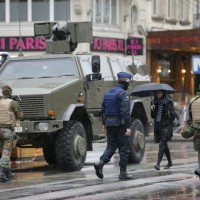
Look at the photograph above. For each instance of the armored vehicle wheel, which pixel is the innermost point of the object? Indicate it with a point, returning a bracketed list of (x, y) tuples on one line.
[(71, 146), (137, 142), (49, 152)]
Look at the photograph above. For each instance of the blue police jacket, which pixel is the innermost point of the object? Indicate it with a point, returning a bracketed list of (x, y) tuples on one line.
[(116, 107)]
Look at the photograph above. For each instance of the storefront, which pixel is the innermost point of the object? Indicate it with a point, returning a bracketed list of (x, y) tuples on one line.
[(170, 55)]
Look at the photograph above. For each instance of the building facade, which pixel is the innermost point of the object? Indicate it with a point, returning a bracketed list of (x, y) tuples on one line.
[(119, 27), (171, 43)]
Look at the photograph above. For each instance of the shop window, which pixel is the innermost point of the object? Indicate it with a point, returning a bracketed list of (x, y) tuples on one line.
[(184, 11), (40, 10), (18, 10), (2, 10), (105, 12), (62, 10)]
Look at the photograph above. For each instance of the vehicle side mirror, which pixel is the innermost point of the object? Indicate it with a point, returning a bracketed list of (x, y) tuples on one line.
[(95, 64)]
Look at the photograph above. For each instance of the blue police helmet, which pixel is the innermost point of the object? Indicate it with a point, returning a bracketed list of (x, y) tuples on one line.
[(124, 76)]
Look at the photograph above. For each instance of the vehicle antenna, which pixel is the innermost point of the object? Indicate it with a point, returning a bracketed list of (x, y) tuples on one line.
[(20, 35)]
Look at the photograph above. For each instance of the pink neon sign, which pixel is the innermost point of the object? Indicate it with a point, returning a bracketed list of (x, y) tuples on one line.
[(132, 45), (25, 43), (108, 45)]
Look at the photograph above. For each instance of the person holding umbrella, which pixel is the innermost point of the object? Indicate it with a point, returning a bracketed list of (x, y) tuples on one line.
[(163, 113)]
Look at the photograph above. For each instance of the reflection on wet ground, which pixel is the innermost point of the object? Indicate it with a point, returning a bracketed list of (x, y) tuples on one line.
[(37, 180)]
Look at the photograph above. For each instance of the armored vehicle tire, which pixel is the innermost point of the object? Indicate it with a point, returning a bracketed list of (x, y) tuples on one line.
[(71, 146), (49, 152), (137, 142)]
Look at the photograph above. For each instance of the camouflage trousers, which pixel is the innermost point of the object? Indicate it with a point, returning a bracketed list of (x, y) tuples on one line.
[(8, 141)]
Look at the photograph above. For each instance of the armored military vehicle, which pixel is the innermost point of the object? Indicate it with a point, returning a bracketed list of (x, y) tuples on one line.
[(61, 94)]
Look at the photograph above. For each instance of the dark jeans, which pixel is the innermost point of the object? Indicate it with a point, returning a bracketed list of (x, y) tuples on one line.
[(116, 139)]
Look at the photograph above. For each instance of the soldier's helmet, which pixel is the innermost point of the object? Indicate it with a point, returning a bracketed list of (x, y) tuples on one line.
[(187, 132), (6, 90)]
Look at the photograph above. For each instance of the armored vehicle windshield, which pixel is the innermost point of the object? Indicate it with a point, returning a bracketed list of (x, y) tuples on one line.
[(39, 68)]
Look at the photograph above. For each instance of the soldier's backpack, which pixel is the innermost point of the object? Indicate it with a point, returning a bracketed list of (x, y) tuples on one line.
[(194, 113), (6, 117)]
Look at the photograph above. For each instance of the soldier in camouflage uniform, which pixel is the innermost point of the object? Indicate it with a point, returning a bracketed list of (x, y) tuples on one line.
[(10, 114), (192, 128)]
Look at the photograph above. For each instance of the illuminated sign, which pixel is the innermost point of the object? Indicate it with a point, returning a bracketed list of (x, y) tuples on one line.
[(115, 45), (173, 39), (134, 46), (196, 64), (25, 43), (108, 45)]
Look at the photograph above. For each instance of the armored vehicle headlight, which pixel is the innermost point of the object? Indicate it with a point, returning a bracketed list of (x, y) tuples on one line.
[(43, 126), (80, 98)]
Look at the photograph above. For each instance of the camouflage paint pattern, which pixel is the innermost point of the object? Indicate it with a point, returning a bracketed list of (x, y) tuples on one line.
[(7, 143)]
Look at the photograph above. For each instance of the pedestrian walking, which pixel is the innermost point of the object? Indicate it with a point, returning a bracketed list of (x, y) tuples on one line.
[(163, 113), (10, 114), (116, 123)]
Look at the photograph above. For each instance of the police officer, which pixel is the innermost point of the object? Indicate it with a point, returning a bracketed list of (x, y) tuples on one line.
[(10, 114), (116, 122)]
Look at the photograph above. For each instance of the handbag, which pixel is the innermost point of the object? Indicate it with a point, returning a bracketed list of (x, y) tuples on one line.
[(167, 133)]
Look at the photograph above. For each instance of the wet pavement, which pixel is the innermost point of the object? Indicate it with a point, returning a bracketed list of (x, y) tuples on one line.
[(37, 180)]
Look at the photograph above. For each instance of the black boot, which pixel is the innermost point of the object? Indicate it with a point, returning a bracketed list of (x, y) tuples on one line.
[(3, 177), (99, 168), (197, 172), (160, 155), (123, 176), (9, 174), (168, 165), (157, 167), (167, 153)]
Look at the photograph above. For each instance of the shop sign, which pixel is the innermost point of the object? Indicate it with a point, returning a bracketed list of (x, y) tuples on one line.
[(25, 43), (173, 39), (133, 46), (196, 64), (114, 45)]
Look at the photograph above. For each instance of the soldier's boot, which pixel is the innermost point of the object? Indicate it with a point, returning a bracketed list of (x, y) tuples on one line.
[(3, 177), (123, 176), (99, 168), (197, 172), (9, 174)]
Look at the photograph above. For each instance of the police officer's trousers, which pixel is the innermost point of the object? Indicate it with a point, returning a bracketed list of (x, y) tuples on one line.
[(116, 139)]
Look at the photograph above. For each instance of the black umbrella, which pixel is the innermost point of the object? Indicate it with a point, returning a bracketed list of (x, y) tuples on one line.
[(148, 89)]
